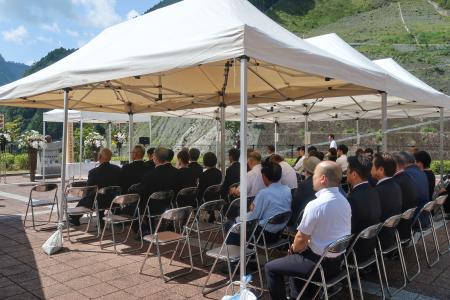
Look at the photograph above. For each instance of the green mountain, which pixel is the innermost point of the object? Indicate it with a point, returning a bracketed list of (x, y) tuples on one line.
[(10, 71)]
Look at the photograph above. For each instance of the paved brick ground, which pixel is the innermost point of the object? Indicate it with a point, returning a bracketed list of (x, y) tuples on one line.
[(84, 271)]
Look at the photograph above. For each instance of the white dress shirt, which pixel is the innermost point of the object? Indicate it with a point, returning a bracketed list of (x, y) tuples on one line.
[(342, 162), (255, 182), (333, 144), (288, 175), (326, 219), (299, 165)]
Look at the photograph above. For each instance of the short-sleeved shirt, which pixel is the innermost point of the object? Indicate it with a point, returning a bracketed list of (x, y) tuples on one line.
[(326, 219), (299, 164), (333, 144), (288, 175), (255, 182), (273, 200), (342, 162)]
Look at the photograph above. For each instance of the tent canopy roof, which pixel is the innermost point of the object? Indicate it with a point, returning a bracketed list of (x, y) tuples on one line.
[(75, 116)]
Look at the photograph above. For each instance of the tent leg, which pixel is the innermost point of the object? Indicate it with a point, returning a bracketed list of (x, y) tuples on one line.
[(384, 123), (222, 137), (43, 154), (150, 131), (243, 173), (64, 157), (358, 138), (275, 138), (441, 141), (109, 135), (306, 134), (217, 134), (130, 136), (81, 145)]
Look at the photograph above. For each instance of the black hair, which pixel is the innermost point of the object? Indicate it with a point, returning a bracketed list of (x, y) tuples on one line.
[(301, 148), (271, 148), (423, 157), (361, 164), (209, 159), (150, 151), (311, 148), (271, 170), (331, 136), (183, 156), (343, 148), (385, 160), (234, 153), (369, 151), (317, 154), (171, 155), (194, 154)]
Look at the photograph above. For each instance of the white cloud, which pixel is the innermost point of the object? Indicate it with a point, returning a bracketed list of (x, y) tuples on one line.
[(132, 14), (44, 39), (15, 35), (54, 27), (30, 62), (99, 13), (72, 33)]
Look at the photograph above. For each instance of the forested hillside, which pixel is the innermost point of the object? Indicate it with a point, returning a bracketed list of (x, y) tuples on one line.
[(10, 71)]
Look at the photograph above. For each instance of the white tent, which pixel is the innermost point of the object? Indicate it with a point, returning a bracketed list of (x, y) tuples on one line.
[(186, 56)]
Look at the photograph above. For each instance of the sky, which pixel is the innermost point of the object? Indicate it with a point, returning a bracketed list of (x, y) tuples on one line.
[(29, 29)]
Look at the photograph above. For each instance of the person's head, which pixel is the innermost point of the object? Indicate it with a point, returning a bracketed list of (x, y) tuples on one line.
[(413, 149), (104, 155), (359, 151), (171, 155), (310, 164), (311, 149), (399, 161), (327, 174), (233, 155), (423, 159), (331, 137), (150, 152), (161, 156), (358, 170), (383, 165), (138, 152), (194, 154), (301, 151), (209, 160), (342, 150), (253, 159), (276, 158), (407, 157), (369, 151), (183, 158), (317, 154), (271, 149), (271, 172), (332, 154)]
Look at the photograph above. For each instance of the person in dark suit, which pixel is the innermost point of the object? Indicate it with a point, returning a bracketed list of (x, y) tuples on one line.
[(106, 174), (211, 176), (365, 203), (194, 155), (186, 175), (305, 191), (150, 164), (133, 172), (389, 192), (233, 172), (423, 161)]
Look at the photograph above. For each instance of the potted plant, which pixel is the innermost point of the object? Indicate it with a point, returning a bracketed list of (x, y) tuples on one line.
[(33, 141), (119, 139), (94, 141)]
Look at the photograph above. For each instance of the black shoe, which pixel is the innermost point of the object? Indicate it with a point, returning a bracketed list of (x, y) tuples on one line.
[(74, 222)]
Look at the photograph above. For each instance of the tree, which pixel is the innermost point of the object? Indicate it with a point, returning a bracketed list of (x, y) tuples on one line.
[(14, 128)]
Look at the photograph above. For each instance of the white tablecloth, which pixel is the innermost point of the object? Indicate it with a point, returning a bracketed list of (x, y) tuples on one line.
[(77, 170)]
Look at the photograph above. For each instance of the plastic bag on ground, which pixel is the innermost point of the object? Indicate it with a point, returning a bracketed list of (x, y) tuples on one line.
[(54, 242), (245, 294)]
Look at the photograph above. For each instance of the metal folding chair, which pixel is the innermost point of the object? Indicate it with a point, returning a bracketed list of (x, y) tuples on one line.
[(338, 247), (112, 219), (76, 183), (261, 242), (439, 209), (187, 197), (200, 227), (33, 202), (157, 204), (370, 233), (427, 211), (109, 192), (212, 193), (80, 193), (179, 216), (391, 224), (408, 216), (231, 255)]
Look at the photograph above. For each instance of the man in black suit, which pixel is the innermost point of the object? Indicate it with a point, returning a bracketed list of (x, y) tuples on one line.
[(133, 172), (194, 155), (150, 164), (410, 195), (364, 201), (233, 172), (211, 176), (104, 175), (389, 192)]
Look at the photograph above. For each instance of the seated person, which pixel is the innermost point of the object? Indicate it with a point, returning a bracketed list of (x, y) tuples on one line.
[(305, 192), (369, 153), (365, 204), (133, 172), (389, 193), (171, 155), (150, 164), (331, 154), (270, 150), (211, 176), (342, 151), (423, 161), (273, 200), (326, 219), (289, 176), (194, 155), (186, 175), (232, 173), (298, 164), (255, 181), (106, 174)]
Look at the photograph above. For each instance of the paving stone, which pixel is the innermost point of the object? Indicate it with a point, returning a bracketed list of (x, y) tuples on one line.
[(98, 290), (24, 296), (11, 290), (82, 282)]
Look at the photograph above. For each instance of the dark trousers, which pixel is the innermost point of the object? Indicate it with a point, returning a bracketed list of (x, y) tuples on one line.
[(299, 265), (89, 203)]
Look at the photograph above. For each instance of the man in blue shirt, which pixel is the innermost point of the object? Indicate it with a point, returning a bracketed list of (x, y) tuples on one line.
[(418, 177)]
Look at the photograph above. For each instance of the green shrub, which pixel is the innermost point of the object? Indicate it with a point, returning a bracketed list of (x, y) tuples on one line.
[(436, 166), (7, 159), (21, 162)]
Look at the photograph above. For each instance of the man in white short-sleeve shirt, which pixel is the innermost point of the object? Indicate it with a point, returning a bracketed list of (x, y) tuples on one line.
[(333, 143), (325, 219), (289, 176)]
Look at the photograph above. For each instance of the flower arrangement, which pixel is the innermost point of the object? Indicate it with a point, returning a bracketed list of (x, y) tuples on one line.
[(94, 141), (31, 139), (119, 139), (5, 139)]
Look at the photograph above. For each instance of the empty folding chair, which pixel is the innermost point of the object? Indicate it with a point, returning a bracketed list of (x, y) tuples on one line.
[(230, 254), (74, 198), (105, 196), (52, 199), (157, 204), (187, 197), (366, 236), (338, 247), (199, 226), (80, 193), (427, 212), (163, 237), (391, 225), (408, 217), (212, 193), (261, 242), (439, 210), (114, 217)]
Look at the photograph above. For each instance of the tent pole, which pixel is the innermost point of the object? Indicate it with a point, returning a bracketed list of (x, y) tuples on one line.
[(384, 123), (64, 157), (275, 138), (81, 144), (217, 119), (109, 135), (358, 138), (130, 135), (441, 141), (306, 134), (222, 136), (43, 153), (150, 131), (243, 173)]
